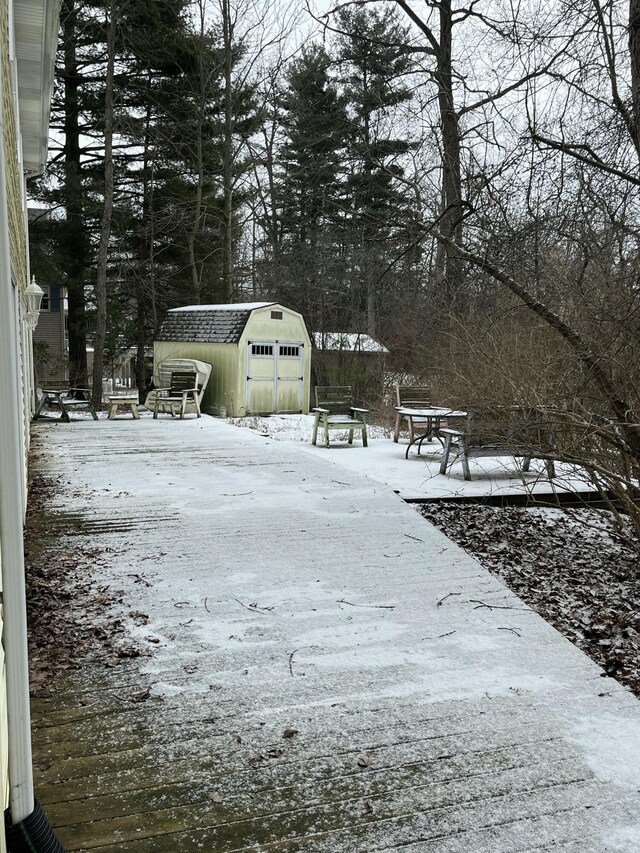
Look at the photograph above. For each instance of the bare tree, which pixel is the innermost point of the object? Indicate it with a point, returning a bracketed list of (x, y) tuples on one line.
[(585, 287)]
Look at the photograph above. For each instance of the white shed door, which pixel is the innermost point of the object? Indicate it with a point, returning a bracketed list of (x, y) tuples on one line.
[(274, 376)]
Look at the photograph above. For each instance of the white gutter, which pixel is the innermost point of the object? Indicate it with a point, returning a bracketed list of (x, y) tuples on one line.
[(11, 529)]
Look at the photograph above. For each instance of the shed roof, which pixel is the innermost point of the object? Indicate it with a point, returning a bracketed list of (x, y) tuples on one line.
[(350, 341), (208, 324)]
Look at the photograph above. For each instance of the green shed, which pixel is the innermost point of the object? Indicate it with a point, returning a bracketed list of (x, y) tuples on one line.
[(260, 353)]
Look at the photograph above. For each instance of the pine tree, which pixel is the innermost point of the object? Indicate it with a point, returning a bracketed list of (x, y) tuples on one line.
[(312, 159), (375, 65)]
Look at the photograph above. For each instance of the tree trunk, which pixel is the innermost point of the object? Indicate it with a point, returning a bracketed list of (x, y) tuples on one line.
[(451, 222), (105, 226), (74, 235), (449, 265), (227, 164), (148, 215), (196, 271), (634, 56), (141, 340)]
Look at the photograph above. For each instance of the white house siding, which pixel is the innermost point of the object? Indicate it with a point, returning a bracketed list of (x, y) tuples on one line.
[(8, 225), (28, 31), (4, 744)]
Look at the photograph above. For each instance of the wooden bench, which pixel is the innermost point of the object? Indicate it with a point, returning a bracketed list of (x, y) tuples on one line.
[(500, 431), (411, 397), (334, 410), (126, 402), (60, 396), (182, 393)]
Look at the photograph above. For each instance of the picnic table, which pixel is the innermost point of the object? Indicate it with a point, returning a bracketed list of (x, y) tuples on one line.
[(518, 431), (425, 423), (64, 399)]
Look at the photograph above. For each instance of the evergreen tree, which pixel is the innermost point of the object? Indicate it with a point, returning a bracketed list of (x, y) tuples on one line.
[(372, 53), (169, 134), (312, 159)]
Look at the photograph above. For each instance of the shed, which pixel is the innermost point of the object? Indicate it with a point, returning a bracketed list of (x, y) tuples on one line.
[(260, 353), (351, 358)]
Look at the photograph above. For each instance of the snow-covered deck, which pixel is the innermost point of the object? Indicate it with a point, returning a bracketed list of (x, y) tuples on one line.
[(327, 673)]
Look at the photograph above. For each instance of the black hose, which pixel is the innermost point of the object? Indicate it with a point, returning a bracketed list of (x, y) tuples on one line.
[(33, 834)]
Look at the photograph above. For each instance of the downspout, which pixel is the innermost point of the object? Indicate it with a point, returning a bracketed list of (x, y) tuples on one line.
[(11, 528)]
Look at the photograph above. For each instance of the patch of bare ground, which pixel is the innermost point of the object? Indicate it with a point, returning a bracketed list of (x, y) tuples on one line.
[(571, 566)]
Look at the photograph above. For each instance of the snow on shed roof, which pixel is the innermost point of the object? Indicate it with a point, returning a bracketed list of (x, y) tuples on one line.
[(240, 306), (351, 341), (208, 324)]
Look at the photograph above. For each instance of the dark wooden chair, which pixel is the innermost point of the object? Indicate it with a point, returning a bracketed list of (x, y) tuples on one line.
[(411, 397), (500, 431), (181, 396), (335, 410)]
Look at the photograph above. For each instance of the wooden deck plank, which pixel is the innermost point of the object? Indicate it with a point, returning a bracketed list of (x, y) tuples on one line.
[(317, 770), (416, 782), (350, 826), (224, 754)]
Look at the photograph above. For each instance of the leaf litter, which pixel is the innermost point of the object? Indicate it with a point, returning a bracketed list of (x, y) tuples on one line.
[(71, 618)]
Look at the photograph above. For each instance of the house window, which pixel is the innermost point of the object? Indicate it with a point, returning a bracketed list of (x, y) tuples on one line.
[(261, 349), (51, 298), (276, 315), (289, 352)]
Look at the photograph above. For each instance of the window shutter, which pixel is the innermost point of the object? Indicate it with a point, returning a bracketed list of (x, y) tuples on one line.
[(54, 298)]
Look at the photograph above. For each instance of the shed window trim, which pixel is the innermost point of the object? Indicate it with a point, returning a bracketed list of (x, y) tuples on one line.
[(265, 350), (276, 315)]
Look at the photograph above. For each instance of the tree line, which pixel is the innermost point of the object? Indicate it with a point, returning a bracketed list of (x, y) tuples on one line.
[(458, 178)]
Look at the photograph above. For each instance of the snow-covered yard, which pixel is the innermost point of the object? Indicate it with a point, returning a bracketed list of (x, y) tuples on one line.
[(418, 476)]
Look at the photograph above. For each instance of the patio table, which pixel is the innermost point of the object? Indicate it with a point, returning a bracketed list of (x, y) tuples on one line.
[(432, 417)]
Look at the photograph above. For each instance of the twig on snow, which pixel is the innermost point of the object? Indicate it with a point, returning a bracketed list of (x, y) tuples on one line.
[(291, 660), (254, 607), (480, 604), (515, 631), (409, 536), (439, 604), (376, 606), (140, 579)]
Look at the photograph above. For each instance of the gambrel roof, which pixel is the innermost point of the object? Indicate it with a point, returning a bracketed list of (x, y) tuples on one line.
[(208, 324)]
